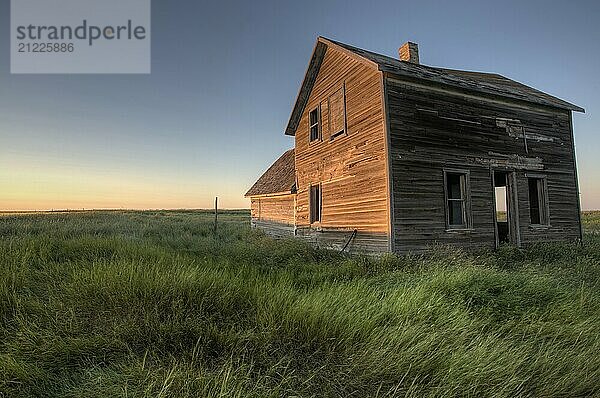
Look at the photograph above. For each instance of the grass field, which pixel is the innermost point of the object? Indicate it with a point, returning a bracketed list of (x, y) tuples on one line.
[(152, 304)]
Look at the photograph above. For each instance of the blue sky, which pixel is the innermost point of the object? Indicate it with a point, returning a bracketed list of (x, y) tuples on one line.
[(210, 118)]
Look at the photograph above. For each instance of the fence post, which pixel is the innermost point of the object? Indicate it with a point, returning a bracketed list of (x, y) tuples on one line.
[(216, 213)]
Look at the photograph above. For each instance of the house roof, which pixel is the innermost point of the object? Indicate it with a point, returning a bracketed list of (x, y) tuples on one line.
[(489, 84), (280, 178)]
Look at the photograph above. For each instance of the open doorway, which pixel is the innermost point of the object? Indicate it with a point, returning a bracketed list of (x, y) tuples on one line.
[(505, 215), (501, 192)]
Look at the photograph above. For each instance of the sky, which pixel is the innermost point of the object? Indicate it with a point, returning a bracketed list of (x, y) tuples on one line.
[(210, 117)]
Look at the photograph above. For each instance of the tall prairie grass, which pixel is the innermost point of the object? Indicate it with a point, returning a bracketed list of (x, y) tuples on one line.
[(153, 304)]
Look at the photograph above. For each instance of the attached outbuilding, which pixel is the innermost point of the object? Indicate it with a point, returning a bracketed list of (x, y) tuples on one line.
[(273, 198)]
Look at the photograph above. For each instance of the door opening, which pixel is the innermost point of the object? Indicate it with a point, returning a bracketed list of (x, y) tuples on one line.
[(506, 214), (502, 206)]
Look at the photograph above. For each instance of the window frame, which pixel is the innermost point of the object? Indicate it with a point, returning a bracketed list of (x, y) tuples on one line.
[(344, 132), (465, 188), (317, 124), (315, 218), (543, 202)]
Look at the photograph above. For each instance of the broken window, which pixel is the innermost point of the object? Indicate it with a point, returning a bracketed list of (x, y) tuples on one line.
[(456, 191), (337, 113), (538, 204), (315, 203), (314, 122)]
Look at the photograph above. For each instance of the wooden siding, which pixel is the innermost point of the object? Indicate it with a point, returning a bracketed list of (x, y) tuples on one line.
[(336, 239), (275, 229), (274, 215), (276, 208), (351, 167), (432, 129)]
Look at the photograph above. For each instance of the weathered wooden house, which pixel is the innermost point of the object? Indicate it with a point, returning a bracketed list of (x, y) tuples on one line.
[(393, 155)]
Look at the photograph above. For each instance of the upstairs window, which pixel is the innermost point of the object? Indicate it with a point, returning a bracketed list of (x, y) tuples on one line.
[(337, 113), (315, 203), (538, 202), (457, 204), (315, 125)]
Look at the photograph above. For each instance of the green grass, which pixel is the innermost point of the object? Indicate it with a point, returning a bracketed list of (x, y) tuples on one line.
[(591, 222), (152, 304)]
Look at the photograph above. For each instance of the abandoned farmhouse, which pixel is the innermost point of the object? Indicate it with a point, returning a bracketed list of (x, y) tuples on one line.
[(394, 156)]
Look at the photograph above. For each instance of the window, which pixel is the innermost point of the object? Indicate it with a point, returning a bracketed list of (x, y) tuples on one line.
[(315, 125), (538, 204), (457, 204), (337, 113), (315, 203)]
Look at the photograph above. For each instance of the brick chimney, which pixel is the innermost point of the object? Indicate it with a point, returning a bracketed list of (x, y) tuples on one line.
[(409, 52)]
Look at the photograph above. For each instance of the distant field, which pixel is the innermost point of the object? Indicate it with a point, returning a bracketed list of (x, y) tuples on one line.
[(153, 304), (591, 222)]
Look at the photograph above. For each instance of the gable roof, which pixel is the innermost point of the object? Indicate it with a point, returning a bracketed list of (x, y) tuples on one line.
[(280, 178), (490, 84)]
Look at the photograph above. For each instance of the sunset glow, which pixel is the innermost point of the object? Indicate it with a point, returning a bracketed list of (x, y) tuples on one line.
[(210, 118)]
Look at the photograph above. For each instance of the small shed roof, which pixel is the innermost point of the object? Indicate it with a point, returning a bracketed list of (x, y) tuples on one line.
[(280, 178)]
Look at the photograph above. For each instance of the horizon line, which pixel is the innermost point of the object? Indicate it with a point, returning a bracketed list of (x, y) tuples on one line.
[(81, 210)]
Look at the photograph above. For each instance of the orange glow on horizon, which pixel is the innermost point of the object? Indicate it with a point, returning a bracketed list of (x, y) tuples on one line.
[(42, 190), (44, 187)]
